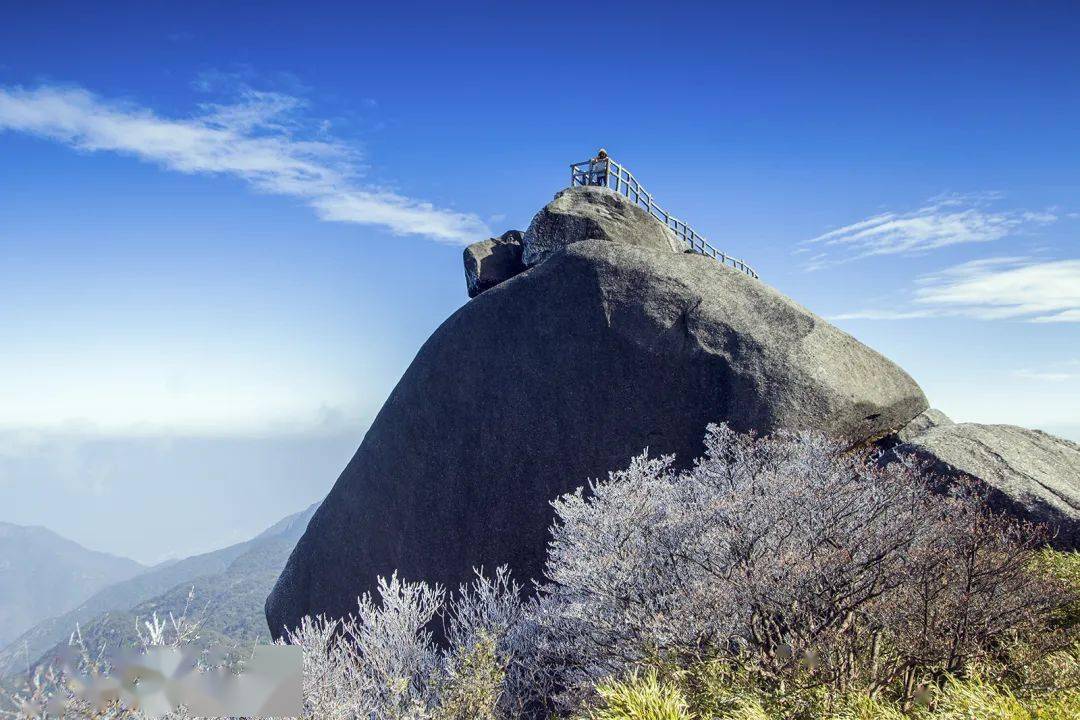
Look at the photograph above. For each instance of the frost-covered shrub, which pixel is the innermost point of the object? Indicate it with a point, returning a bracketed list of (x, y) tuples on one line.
[(810, 563), (379, 663), (481, 622), (384, 664)]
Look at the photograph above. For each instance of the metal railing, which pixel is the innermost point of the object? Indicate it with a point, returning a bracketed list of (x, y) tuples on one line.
[(605, 172)]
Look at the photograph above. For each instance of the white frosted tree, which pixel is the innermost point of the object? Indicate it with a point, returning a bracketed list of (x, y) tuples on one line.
[(788, 553)]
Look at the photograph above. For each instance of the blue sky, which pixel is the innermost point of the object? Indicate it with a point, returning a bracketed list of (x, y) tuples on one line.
[(225, 229)]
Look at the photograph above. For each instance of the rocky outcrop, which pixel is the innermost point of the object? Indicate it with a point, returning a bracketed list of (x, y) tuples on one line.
[(490, 262), (561, 375), (922, 422), (593, 213), (1028, 473)]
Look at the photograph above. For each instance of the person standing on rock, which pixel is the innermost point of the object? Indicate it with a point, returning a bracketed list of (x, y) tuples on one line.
[(598, 168)]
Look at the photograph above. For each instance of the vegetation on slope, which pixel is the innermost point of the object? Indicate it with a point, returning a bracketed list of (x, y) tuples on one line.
[(777, 578), (230, 587)]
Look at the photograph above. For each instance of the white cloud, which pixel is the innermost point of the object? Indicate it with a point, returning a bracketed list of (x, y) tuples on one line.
[(944, 221), (262, 138), (883, 315), (993, 289), (1056, 372), (1045, 375)]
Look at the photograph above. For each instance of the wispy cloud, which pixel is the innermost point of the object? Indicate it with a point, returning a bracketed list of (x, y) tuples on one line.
[(263, 138), (993, 289), (946, 220), (1055, 372), (1045, 375)]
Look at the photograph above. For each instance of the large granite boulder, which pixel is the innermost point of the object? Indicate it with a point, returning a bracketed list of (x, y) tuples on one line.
[(561, 374), (593, 213), (490, 262), (1028, 473)]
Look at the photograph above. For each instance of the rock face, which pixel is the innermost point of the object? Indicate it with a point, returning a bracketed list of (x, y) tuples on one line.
[(490, 262), (593, 213), (921, 423), (1029, 473), (561, 374)]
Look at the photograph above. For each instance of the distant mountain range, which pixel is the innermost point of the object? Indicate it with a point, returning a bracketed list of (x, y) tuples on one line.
[(33, 559), (230, 586)]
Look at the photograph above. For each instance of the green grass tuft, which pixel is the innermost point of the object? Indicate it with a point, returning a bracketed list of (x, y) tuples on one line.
[(1064, 567), (640, 697)]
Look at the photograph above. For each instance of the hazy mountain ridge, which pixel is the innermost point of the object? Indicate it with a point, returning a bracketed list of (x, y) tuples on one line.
[(33, 557), (230, 587)]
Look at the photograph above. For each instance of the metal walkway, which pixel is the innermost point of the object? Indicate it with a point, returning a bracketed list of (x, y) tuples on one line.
[(605, 172)]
